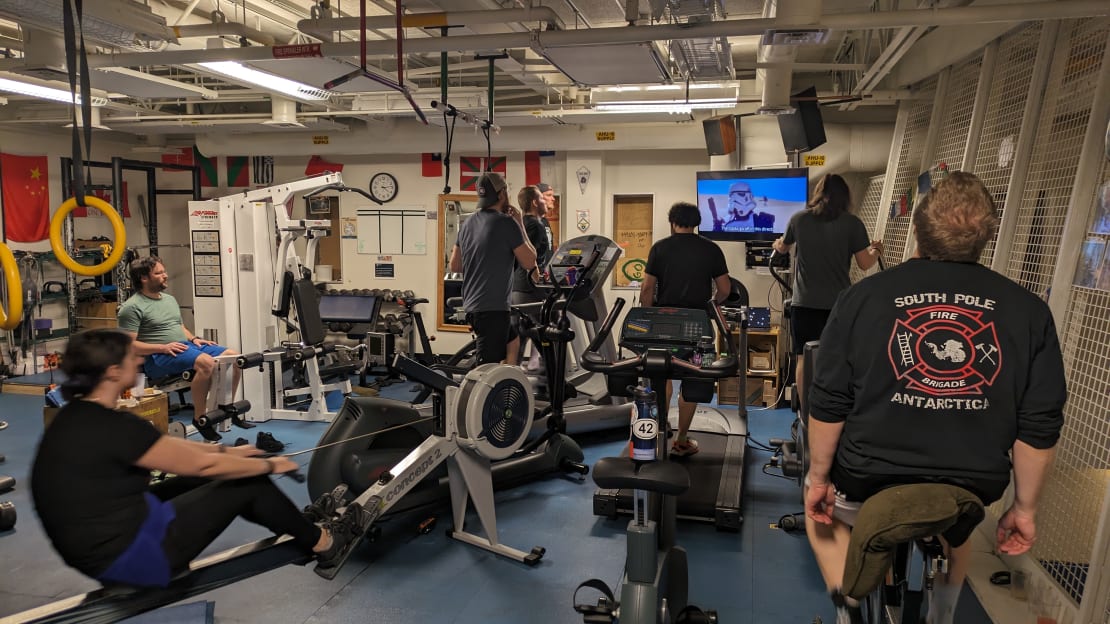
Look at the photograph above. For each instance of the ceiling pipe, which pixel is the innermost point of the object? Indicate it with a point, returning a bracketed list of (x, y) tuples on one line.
[(775, 63), (323, 28), (230, 29), (1058, 9)]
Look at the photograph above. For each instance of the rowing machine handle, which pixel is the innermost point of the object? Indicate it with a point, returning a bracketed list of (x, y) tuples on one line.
[(607, 326)]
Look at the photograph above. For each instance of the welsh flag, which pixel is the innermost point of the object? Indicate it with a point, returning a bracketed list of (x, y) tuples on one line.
[(238, 171), (25, 197), (470, 169), (209, 171)]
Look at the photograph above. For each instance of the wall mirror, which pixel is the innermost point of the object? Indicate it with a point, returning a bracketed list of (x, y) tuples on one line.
[(453, 212)]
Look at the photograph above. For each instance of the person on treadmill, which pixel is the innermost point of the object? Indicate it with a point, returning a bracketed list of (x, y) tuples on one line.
[(534, 206), (90, 480), (488, 243), (938, 370), (682, 271)]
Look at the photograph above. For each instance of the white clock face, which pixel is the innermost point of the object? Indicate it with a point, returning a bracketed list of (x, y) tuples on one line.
[(383, 186)]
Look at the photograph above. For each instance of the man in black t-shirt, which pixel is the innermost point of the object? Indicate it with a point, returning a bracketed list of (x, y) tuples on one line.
[(934, 371), (682, 271)]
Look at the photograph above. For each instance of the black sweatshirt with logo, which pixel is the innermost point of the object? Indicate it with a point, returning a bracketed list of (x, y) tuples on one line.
[(935, 369)]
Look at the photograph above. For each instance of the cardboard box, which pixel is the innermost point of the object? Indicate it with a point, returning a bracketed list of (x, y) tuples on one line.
[(155, 409), (770, 393), (728, 391), (753, 391), (763, 361), (95, 315)]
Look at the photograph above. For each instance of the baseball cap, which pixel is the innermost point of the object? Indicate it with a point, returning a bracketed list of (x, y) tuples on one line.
[(489, 186), (543, 187)]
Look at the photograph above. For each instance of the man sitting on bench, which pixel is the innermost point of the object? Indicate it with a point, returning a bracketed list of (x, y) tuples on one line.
[(153, 318), (933, 372)]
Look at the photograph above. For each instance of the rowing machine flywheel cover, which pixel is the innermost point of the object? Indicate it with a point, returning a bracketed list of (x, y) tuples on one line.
[(494, 410)]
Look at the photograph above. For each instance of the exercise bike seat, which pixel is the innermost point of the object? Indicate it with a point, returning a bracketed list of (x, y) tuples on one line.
[(902, 514), (662, 477)]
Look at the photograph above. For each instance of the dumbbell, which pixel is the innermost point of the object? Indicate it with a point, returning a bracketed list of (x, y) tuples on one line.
[(7, 516), (344, 291), (408, 294), (333, 326), (345, 327), (365, 292), (6, 483)]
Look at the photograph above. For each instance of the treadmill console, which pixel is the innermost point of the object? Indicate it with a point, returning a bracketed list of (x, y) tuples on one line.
[(677, 329), (577, 253)]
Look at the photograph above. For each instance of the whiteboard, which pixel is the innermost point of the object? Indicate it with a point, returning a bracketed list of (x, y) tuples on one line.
[(392, 231)]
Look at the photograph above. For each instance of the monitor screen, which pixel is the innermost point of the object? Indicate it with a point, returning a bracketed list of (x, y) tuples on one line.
[(753, 204)]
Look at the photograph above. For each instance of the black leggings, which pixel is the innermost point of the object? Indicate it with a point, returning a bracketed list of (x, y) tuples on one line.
[(205, 508)]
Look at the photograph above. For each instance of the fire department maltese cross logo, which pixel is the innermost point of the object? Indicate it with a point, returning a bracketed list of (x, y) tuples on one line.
[(944, 350)]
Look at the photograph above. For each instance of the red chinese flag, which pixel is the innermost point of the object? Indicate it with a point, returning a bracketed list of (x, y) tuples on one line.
[(532, 168), (25, 197), (317, 165), (431, 165), (470, 169)]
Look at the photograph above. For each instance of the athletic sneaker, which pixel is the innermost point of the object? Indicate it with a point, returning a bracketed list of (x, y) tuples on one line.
[(684, 448), (344, 532), (324, 508), (266, 442)]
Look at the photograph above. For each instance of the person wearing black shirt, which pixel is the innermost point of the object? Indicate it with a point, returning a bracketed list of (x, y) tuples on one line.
[(936, 371), (534, 206), (91, 473), (682, 271)]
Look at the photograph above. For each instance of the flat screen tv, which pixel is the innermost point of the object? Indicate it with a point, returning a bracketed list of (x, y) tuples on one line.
[(751, 204)]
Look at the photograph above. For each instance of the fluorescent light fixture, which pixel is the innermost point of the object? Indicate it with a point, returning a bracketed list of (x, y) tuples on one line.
[(46, 93), (151, 85), (609, 64), (284, 86)]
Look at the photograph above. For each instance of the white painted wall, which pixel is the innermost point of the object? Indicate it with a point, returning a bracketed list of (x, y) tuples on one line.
[(658, 160)]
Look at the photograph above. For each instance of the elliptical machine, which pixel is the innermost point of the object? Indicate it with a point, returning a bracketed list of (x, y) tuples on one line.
[(654, 587)]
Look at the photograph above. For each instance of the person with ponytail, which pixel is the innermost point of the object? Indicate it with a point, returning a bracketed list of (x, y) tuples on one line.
[(90, 480), (828, 237)]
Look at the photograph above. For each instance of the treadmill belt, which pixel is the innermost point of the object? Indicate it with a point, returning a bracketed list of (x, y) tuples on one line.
[(715, 480)]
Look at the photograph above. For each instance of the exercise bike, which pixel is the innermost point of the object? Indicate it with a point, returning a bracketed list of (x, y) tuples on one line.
[(654, 587)]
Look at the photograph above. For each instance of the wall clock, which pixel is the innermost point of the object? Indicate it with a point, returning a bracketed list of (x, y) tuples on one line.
[(383, 186)]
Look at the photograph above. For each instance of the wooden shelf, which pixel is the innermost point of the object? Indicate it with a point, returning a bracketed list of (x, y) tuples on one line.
[(756, 390)]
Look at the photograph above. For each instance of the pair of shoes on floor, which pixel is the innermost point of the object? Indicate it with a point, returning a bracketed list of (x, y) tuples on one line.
[(684, 448), (267, 443)]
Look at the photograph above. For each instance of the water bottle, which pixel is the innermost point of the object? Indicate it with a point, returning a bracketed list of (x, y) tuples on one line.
[(572, 275), (645, 425)]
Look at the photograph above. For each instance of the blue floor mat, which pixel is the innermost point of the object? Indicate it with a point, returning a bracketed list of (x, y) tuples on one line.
[(202, 612)]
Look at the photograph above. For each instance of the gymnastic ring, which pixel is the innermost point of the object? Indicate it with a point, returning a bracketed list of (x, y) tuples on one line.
[(13, 316), (118, 232)]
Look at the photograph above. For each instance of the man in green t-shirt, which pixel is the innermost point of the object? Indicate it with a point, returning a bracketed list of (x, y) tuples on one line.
[(153, 318)]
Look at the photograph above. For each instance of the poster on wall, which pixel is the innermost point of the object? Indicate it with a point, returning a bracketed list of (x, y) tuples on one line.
[(1091, 262), (401, 231), (349, 227), (632, 231)]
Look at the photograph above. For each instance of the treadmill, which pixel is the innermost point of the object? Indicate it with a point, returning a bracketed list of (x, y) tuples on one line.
[(591, 407), (717, 470)]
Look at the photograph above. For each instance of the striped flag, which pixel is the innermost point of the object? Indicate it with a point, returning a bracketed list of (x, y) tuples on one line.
[(263, 167)]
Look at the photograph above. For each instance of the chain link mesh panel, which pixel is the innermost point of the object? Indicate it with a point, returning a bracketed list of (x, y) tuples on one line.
[(909, 167), (1073, 501), (868, 212), (956, 121), (1002, 121), (1055, 158)]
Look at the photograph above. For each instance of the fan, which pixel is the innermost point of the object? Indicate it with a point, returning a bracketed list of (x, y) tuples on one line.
[(494, 410)]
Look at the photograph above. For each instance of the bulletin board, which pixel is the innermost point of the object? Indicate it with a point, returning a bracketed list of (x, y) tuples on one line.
[(399, 231), (633, 232)]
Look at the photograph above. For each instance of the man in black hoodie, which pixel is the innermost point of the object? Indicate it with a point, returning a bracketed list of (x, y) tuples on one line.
[(934, 371)]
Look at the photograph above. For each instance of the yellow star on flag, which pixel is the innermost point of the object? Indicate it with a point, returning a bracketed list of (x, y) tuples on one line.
[(35, 173)]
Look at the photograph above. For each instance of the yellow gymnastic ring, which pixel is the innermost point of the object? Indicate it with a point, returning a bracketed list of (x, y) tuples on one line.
[(118, 233), (10, 318)]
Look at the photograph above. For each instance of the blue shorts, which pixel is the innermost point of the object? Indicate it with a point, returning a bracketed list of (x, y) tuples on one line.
[(160, 365)]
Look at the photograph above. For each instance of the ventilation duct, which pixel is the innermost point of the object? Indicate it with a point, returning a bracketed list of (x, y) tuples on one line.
[(120, 23), (284, 114), (705, 58)]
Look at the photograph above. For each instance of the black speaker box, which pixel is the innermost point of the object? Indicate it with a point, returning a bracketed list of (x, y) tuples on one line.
[(803, 130), (720, 135)]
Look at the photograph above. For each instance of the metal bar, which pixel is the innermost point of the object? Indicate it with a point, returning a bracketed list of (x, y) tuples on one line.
[(1015, 190), (979, 112), (152, 211)]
